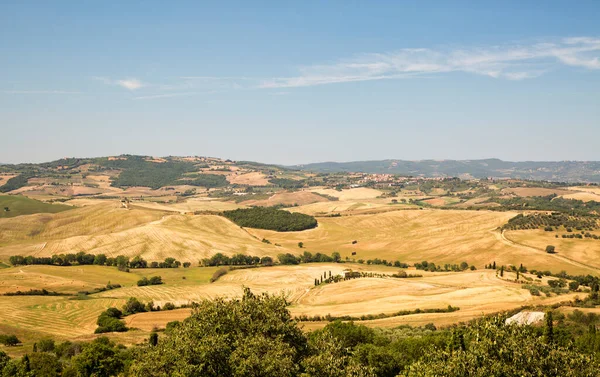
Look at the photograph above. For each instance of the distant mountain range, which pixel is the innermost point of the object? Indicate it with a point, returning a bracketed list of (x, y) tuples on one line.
[(559, 171)]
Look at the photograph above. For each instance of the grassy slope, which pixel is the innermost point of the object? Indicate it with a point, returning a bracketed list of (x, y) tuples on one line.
[(20, 205)]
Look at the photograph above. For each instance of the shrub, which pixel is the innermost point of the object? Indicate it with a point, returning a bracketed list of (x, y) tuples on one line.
[(550, 249), (132, 306), (110, 321), (9, 340), (218, 273)]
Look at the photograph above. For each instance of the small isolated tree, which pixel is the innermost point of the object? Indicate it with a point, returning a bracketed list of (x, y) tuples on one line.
[(301, 244), (550, 249), (45, 345), (153, 340), (494, 265), (6, 209), (549, 329), (573, 286), (502, 271), (9, 340)]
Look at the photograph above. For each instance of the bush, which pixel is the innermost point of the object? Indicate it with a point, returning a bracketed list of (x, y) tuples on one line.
[(550, 249), (271, 219), (110, 321), (218, 273), (132, 306), (9, 340), (154, 280), (45, 345)]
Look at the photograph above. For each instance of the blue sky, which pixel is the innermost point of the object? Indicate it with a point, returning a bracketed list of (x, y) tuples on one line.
[(298, 82)]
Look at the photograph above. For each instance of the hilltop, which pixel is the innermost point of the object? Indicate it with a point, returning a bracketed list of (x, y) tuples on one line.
[(557, 171)]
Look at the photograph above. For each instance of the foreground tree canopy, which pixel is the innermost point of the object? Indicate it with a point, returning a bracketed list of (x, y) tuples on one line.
[(271, 219), (256, 336)]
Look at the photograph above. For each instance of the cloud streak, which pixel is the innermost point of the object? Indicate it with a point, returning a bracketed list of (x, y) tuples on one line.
[(39, 92), (511, 62), (128, 83)]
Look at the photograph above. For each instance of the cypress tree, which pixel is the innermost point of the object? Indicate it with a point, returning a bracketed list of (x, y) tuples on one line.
[(153, 340), (494, 265), (502, 271), (549, 330)]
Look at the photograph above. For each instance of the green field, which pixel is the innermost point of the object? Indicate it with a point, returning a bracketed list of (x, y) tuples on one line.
[(19, 205)]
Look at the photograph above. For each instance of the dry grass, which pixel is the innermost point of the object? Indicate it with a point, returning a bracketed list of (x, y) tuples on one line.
[(586, 250), (253, 179), (191, 205), (351, 194), (534, 191), (583, 196), (288, 198), (154, 235), (62, 279), (5, 177)]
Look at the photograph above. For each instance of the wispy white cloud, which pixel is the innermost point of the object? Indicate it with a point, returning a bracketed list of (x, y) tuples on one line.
[(131, 84), (39, 92), (512, 62), (166, 95), (128, 83)]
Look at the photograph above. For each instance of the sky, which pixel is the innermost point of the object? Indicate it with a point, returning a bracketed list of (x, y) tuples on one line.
[(298, 82)]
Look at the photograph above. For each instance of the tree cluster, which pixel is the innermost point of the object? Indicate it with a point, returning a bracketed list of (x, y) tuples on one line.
[(271, 219), (221, 259), (122, 262)]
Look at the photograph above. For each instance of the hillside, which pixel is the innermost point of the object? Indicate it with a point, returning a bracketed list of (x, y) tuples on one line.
[(559, 171)]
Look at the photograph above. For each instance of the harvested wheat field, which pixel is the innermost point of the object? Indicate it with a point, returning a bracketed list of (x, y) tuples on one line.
[(351, 194), (583, 196), (288, 198), (349, 207), (585, 251), (105, 229), (5, 177), (190, 205), (534, 191), (415, 235), (253, 179)]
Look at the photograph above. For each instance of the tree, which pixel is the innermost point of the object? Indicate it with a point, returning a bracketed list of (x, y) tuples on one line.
[(100, 358), (502, 271), (494, 265), (251, 336), (6, 209), (550, 249), (100, 259), (132, 306), (153, 340), (573, 285), (301, 244), (549, 329), (9, 340), (336, 257), (45, 345), (495, 349)]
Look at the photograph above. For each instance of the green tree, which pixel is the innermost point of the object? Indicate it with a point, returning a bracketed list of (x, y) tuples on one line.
[(45, 345), (228, 338), (301, 244), (100, 358), (496, 349)]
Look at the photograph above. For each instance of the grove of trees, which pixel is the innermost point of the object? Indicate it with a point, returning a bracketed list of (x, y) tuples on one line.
[(271, 219)]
